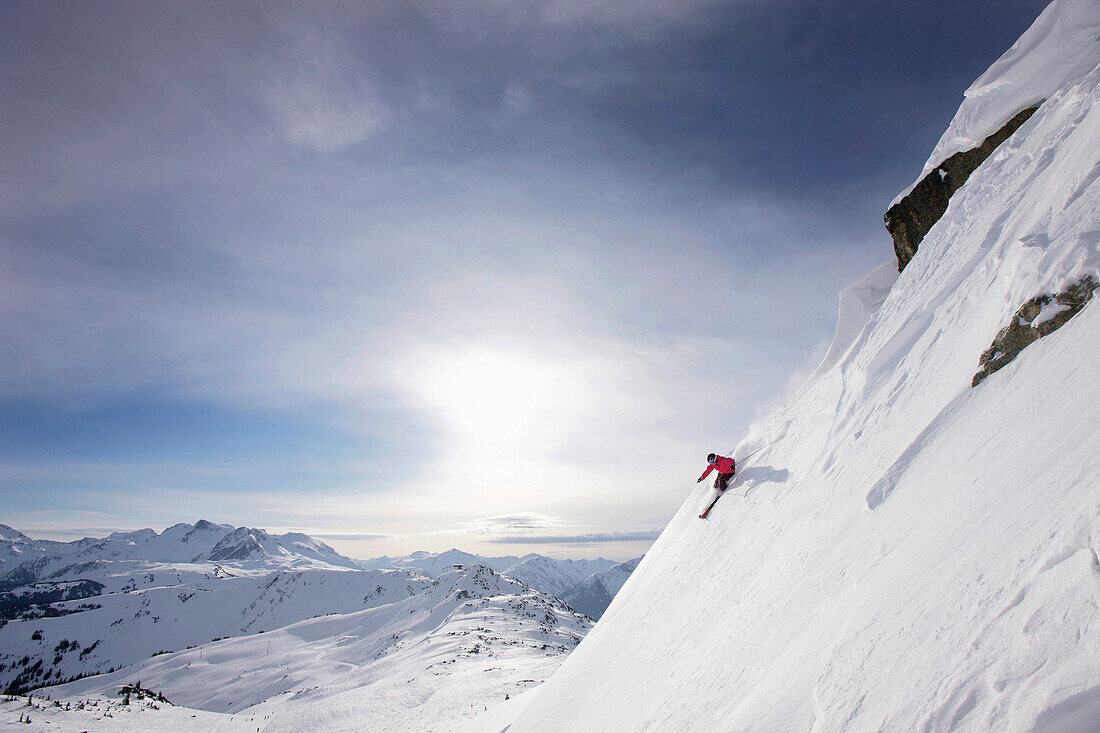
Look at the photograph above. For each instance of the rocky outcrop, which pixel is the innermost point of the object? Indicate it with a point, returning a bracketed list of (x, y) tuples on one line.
[(1036, 318), (909, 220)]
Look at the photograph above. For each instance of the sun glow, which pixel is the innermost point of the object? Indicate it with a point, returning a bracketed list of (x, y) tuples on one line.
[(496, 399)]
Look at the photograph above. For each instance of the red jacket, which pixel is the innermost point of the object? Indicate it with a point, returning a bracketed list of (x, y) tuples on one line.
[(722, 465)]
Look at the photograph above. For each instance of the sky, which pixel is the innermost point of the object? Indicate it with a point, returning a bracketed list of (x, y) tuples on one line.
[(421, 274)]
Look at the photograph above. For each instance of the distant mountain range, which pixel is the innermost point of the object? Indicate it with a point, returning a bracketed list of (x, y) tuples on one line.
[(594, 594), (586, 585), (113, 601), (150, 604), (113, 559)]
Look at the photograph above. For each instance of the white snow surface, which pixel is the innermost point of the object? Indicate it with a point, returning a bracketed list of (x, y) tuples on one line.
[(1059, 49), (910, 553), (106, 714), (124, 628), (76, 608), (272, 632), (428, 662)]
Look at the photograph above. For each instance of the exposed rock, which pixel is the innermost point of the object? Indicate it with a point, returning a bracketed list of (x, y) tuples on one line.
[(1038, 317), (910, 219)]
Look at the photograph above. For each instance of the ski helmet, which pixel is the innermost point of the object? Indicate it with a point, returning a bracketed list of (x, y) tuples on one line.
[(711, 458)]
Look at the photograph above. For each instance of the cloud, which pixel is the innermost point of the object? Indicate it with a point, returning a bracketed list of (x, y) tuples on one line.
[(522, 522), (517, 100), (323, 120), (316, 210), (351, 537), (319, 94), (591, 538)]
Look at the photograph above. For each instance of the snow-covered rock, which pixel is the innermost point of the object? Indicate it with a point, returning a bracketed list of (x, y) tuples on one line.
[(911, 552)]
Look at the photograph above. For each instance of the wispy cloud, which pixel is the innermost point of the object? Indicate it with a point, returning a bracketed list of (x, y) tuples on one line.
[(522, 522), (326, 215)]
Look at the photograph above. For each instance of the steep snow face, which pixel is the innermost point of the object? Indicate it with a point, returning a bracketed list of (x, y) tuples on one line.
[(909, 553)]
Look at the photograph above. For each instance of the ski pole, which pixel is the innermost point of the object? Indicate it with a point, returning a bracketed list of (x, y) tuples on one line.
[(750, 455)]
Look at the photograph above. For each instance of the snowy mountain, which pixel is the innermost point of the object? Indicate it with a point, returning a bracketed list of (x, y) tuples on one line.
[(97, 632), (7, 533), (78, 608), (916, 548), (555, 576), (594, 594), (434, 564), (122, 554), (426, 662), (279, 628)]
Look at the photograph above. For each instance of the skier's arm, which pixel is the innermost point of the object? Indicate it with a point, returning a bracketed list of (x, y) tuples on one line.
[(706, 473)]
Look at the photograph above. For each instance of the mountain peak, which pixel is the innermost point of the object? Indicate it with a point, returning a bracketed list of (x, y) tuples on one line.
[(7, 533)]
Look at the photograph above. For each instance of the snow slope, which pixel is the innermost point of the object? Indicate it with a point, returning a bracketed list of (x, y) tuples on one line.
[(108, 715), (75, 608), (911, 553), (112, 630), (427, 662)]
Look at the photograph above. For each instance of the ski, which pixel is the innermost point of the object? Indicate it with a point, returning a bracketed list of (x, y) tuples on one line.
[(707, 510)]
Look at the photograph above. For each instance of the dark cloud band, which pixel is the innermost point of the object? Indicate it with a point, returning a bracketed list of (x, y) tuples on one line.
[(581, 539)]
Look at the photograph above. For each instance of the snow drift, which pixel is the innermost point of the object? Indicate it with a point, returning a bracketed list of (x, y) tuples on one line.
[(911, 553)]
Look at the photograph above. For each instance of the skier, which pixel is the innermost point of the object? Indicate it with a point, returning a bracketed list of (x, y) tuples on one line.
[(725, 467)]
